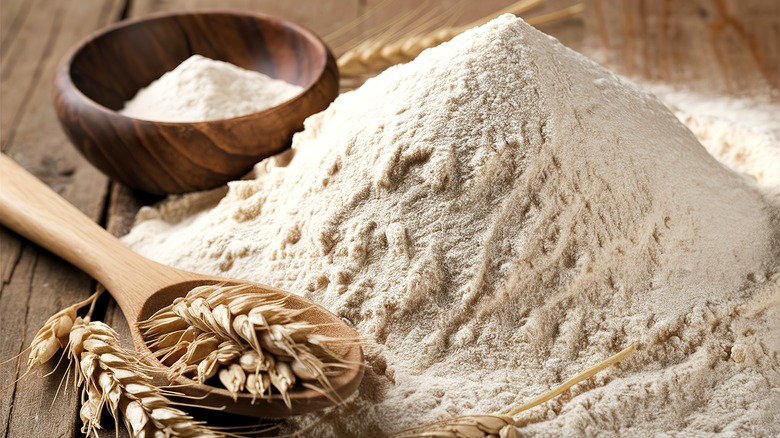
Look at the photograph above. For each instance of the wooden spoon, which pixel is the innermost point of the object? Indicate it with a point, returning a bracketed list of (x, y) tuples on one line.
[(142, 286)]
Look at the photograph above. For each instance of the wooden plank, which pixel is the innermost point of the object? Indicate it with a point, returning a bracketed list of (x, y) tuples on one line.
[(35, 284), (715, 46), (10, 250), (320, 16), (14, 314), (34, 46), (48, 285), (12, 17)]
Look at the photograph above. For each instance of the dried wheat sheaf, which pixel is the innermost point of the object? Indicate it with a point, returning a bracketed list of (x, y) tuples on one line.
[(112, 378), (250, 343)]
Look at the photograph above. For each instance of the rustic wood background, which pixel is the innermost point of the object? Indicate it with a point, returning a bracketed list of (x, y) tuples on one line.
[(716, 46)]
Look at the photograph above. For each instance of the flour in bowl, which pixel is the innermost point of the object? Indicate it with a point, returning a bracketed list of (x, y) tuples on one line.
[(202, 89), (496, 216)]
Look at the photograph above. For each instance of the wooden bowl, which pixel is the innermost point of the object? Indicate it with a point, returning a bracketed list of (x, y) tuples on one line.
[(106, 69)]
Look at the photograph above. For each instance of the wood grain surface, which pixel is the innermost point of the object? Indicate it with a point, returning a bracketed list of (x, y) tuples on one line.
[(715, 46)]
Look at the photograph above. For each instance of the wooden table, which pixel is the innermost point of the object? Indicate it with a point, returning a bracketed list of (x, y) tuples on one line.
[(717, 46)]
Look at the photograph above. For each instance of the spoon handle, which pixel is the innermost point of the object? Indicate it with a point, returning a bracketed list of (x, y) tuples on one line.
[(33, 210)]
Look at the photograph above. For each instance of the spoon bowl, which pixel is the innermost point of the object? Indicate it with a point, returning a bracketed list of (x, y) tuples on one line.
[(302, 400), (141, 287)]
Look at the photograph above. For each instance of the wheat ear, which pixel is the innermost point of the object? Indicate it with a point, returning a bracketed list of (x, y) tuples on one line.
[(113, 378), (249, 343), (110, 377), (503, 426), (373, 56), (55, 332)]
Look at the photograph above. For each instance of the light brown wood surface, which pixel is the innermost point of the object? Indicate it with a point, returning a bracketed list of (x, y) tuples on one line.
[(716, 46)]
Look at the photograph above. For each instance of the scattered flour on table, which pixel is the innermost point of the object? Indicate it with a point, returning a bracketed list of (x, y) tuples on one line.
[(202, 89), (496, 216)]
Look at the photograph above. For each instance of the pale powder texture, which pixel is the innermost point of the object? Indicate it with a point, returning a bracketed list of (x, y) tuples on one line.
[(743, 133), (496, 216), (202, 89)]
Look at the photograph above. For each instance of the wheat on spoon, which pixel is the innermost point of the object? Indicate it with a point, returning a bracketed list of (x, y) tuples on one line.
[(251, 344)]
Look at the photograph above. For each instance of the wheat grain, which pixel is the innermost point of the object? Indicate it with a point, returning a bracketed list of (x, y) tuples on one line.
[(503, 426), (469, 426), (55, 332), (251, 344)]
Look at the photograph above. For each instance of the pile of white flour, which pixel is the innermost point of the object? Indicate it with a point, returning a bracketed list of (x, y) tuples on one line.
[(202, 89), (496, 216)]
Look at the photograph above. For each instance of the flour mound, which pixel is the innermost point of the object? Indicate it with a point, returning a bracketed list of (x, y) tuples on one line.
[(496, 216)]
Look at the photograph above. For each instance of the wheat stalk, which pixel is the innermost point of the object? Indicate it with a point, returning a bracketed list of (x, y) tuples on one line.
[(483, 426), (249, 343), (373, 56)]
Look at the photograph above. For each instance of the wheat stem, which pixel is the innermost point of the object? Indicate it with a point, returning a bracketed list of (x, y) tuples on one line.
[(588, 373), (111, 378), (503, 426)]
